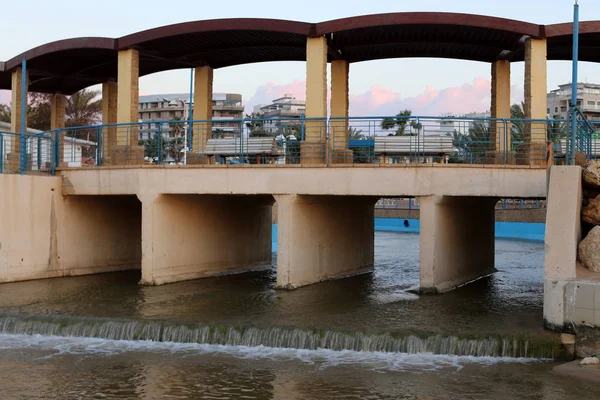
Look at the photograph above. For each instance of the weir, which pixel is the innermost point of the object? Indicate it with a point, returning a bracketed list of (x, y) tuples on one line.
[(302, 339)]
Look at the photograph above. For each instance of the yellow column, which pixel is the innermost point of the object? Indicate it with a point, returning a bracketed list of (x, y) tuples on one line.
[(109, 116), (536, 105), (500, 107), (128, 93), (313, 150), (128, 151), (203, 88), (13, 156), (57, 121), (340, 70)]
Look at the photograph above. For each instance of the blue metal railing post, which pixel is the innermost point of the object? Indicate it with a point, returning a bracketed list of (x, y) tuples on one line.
[(574, 81), (302, 126), (39, 153), (190, 129), (159, 145), (23, 152), (56, 150), (99, 146)]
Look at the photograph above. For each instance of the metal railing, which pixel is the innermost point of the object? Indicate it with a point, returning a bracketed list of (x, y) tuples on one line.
[(503, 204), (324, 141)]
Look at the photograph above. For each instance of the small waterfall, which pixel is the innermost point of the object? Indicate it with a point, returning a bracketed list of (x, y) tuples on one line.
[(67, 326)]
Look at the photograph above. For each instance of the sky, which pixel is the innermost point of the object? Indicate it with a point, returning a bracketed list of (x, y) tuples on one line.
[(383, 87)]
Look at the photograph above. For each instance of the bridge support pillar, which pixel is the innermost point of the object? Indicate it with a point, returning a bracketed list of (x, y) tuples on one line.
[(533, 151), (313, 149), (563, 234), (187, 237), (340, 153), (109, 117), (202, 131), (127, 151), (57, 121), (457, 241), (323, 237), (500, 108)]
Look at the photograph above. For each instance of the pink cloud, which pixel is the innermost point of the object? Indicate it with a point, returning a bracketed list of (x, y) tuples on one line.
[(266, 93), (380, 100)]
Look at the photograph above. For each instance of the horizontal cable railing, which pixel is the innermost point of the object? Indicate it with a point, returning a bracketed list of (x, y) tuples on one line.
[(334, 140), (413, 204)]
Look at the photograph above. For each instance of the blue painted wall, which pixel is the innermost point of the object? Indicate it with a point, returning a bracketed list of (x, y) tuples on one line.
[(504, 230)]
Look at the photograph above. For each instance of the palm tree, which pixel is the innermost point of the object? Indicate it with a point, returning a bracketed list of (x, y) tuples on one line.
[(83, 108), (256, 124), (355, 134), (399, 122)]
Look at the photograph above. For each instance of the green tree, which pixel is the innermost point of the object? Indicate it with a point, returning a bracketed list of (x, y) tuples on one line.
[(83, 108), (355, 134), (399, 122), (256, 124)]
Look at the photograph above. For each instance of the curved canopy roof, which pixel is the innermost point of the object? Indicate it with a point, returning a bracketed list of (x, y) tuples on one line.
[(69, 65)]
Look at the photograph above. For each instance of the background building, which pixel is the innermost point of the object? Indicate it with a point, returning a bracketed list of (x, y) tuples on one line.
[(287, 108), (168, 107), (588, 99)]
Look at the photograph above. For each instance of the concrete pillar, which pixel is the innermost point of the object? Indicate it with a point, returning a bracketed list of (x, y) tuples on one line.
[(323, 237), (500, 108), (313, 150), (109, 117), (457, 239), (203, 90), (195, 236), (57, 121), (563, 234), (14, 151), (127, 150), (339, 108), (536, 105)]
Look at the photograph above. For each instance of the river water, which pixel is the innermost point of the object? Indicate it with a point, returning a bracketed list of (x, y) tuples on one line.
[(367, 337)]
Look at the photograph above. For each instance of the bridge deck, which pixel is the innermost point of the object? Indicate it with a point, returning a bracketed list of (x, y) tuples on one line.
[(358, 179)]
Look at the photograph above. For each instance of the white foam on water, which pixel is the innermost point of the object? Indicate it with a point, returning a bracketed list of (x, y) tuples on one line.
[(322, 357)]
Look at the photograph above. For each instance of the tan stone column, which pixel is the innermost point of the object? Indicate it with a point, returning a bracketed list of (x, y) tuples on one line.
[(13, 156), (500, 108), (57, 121), (109, 117), (313, 150), (457, 236), (536, 104), (203, 89), (128, 151), (339, 108)]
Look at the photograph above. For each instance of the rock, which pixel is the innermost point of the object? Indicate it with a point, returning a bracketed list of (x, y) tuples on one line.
[(590, 361), (591, 174), (591, 212), (581, 159), (589, 250)]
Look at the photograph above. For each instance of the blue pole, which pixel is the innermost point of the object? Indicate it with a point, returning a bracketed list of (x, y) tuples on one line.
[(574, 81), (23, 153), (190, 117)]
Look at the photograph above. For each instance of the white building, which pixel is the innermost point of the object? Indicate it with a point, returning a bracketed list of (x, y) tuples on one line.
[(284, 111), (588, 100), (40, 148)]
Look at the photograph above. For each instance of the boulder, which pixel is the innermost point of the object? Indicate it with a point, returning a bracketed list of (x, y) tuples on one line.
[(581, 159), (590, 361), (591, 174), (591, 212), (589, 250)]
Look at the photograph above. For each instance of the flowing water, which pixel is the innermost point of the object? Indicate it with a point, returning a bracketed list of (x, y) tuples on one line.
[(104, 336)]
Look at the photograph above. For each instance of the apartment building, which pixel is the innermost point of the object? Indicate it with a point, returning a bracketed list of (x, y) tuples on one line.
[(588, 100), (168, 107)]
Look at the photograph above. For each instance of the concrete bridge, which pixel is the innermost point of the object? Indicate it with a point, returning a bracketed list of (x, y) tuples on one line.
[(179, 223), (202, 219)]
